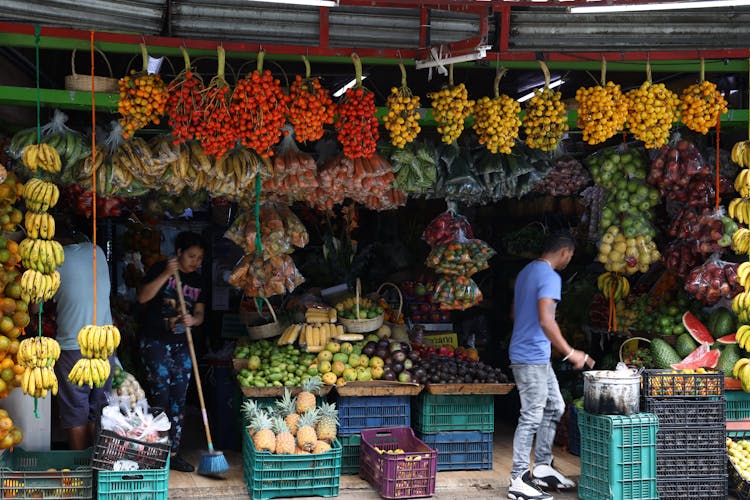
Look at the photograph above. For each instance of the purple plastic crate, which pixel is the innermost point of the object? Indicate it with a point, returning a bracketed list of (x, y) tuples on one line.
[(410, 474)]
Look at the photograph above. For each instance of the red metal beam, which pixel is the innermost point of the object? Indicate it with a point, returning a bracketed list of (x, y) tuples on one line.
[(503, 35), (323, 27)]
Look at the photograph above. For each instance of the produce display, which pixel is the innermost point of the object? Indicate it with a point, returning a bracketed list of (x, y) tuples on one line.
[(295, 174), (415, 168), (185, 103), (368, 309), (447, 227), (620, 254), (460, 257), (602, 111), (701, 104), (357, 125), (40, 256), (402, 119), (566, 178), (10, 436), (714, 280), (738, 452), (421, 305), (613, 286), (125, 385), (496, 120), (546, 119), (38, 356), (143, 98), (652, 109), (98, 344), (451, 106), (215, 131), (280, 231), (674, 167), (260, 277), (310, 106)]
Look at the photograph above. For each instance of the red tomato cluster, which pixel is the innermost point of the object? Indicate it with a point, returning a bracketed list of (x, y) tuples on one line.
[(216, 130), (185, 106), (310, 109), (357, 126), (259, 108)]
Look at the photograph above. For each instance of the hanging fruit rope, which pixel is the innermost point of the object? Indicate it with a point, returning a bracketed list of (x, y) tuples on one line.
[(216, 131), (259, 107), (357, 125), (311, 107), (450, 108), (402, 119), (97, 343), (614, 288), (602, 110), (496, 120), (545, 120), (652, 109), (185, 103), (142, 98), (702, 104)]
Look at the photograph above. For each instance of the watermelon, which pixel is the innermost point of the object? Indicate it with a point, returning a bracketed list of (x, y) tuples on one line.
[(702, 357), (696, 329), (728, 339)]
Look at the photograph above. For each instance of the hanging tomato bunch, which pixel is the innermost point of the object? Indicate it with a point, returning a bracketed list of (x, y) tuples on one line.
[(185, 103), (357, 125), (450, 107), (496, 120), (142, 98), (216, 129), (310, 107), (259, 107), (701, 105), (402, 119)]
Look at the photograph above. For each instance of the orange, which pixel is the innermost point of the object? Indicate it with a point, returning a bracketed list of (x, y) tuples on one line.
[(7, 375), (7, 363), (13, 290), (22, 306), (7, 305), (18, 369), (12, 246), (6, 324), (16, 216), (6, 192), (13, 347), (4, 253), (14, 332), (21, 319)]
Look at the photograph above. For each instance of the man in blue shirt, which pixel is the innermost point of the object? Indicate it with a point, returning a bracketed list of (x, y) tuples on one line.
[(535, 330)]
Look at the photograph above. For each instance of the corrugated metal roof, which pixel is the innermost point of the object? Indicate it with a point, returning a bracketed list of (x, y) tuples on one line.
[(557, 30), (130, 16)]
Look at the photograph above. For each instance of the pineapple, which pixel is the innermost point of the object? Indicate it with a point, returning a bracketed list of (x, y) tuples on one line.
[(264, 439), (306, 398), (321, 447), (329, 420), (300, 451), (249, 410), (286, 407), (306, 437), (285, 443)]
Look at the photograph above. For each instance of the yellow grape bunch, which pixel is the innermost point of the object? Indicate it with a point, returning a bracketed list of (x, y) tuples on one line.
[(450, 107), (402, 119), (652, 109), (545, 121), (602, 111), (701, 105), (496, 122)]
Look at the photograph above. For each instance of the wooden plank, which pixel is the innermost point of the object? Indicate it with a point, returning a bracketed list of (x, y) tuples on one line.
[(497, 389), (277, 392), (378, 388)]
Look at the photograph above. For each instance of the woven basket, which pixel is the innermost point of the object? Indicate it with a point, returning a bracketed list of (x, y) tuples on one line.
[(83, 82), (268, 330), (361, 325), (638, 340), (400, 297)]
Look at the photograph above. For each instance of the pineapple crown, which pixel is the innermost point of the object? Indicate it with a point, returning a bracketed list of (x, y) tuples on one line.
[(328, 410), (249, 410), (287, 404), (279, 426), (312, 385), (309, 418), (261, 421)]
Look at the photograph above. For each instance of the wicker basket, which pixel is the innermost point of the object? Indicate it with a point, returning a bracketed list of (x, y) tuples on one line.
[(83, 82), (638, 340), (400, 297), (268, 330), (361, 325)]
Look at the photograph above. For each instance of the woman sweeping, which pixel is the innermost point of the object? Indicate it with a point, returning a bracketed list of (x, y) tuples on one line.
[(163, 343)]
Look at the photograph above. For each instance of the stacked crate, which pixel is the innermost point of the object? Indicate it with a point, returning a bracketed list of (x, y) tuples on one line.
[(618, 456), (357, 413), (690, 445), (459, 426)]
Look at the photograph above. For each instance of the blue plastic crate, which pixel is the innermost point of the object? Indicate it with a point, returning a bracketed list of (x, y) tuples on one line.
[(461, 450), (372, 412), (152, 484), (618, 457), (738, 405)]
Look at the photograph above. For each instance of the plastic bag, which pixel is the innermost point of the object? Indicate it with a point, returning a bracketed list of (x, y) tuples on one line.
[(673, 167), (293, 226), (456, 293), (460, 257), (459, 181), (447, 227), (567, 178), (264, 278), (295, 172), (163, 152), (70, 145), (624, 161), (136, 423), (714, 280), (710, 230)]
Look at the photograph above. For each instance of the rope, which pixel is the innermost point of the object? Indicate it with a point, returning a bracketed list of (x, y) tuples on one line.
[(258, 241), (718, 160), (93, 163)]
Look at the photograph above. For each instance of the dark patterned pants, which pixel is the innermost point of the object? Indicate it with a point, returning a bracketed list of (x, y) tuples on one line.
[(168, 371)]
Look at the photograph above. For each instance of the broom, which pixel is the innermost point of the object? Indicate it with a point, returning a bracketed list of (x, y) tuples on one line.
[(213, 461)]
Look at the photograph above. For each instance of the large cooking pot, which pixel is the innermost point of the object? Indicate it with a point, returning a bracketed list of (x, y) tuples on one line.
[(612, 392)]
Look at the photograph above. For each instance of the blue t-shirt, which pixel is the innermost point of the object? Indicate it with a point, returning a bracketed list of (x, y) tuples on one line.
[(75, 297), (529, 344)]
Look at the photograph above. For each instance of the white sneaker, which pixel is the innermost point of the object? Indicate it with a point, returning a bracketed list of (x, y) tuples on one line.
[(522, 488), (546, 476)]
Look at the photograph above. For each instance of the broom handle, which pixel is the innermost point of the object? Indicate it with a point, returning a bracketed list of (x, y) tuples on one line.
[(189, 336)]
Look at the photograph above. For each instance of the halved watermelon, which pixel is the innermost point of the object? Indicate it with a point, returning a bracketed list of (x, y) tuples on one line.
[(694, 356), (696, 329), (709, 360), (728, 339)]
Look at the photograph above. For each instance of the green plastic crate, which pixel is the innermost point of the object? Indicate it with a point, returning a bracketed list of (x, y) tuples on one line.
[(350, 454), (618, 456), (270, 476), (738, 405), (151, 484), (433, 413), (25, 474)]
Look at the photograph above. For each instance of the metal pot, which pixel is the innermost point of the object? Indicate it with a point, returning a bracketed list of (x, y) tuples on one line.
[(612, 392)]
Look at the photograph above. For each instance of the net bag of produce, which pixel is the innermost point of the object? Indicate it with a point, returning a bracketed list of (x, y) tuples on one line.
[(456, 293), (674, 166), (447, 227), (460, 257), (293, 226), (713, 280), (624, 161)]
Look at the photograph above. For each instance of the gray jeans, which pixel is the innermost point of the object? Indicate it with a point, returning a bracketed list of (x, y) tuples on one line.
[(542, 406)]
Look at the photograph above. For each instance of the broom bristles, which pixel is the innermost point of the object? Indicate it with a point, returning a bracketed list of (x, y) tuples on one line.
[(213, 463)]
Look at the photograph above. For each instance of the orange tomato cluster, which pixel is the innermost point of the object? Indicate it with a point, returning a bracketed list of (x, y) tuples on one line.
[(216, 130), (701, 105), (357, 125), (259, 108), (142, 101), (310, 108), (185, 106)]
